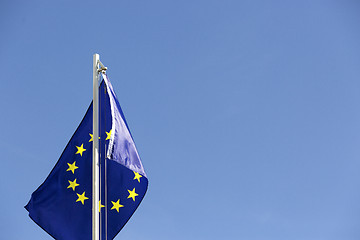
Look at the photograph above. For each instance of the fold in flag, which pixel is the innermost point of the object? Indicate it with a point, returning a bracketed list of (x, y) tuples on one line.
[(63, 202)]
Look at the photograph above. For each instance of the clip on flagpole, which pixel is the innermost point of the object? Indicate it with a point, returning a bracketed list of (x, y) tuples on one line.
[(103, 68)]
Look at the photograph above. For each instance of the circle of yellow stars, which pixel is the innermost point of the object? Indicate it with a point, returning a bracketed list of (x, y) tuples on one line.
[(82, 197)]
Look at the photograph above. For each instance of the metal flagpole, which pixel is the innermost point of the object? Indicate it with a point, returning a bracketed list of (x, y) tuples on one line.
[(97, 68), (95, 150)]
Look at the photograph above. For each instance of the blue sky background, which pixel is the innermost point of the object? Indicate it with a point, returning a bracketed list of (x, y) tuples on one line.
[(246, 113)]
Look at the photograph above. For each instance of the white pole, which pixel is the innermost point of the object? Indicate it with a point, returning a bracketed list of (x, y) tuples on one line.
[(95, 150)]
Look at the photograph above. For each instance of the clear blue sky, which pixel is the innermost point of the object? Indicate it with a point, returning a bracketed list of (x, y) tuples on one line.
[(246, 114)]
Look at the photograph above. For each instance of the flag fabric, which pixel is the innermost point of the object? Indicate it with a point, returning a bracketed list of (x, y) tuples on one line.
[(62, 203)]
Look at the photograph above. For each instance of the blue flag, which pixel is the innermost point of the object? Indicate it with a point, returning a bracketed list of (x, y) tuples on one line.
[(63, 202)]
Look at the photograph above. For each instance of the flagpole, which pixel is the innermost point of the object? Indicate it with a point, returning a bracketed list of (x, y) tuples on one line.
[(95, 151)]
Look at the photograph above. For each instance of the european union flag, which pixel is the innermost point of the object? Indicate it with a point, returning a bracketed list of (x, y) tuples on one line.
[(63, 202)]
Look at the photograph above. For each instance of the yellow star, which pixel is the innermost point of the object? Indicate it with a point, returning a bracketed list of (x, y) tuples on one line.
[(137, 176), (108, 135), (132, 194), (80, 149), (100, 205), (81, 198), (72, 167), (116, 205), (73, 184), (91, 137)]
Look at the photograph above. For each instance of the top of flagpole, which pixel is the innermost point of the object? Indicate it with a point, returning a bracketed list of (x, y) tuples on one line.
[(99, 65)]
